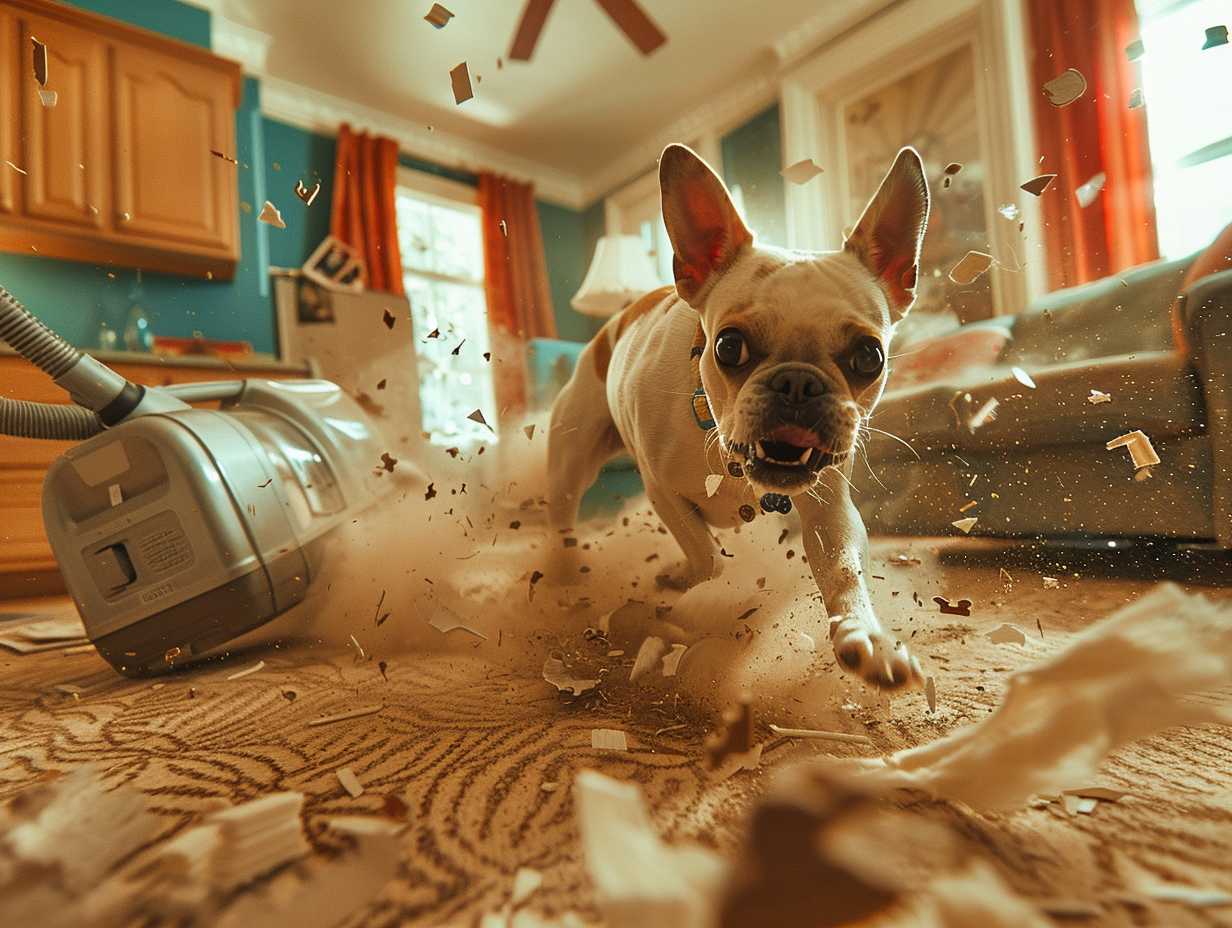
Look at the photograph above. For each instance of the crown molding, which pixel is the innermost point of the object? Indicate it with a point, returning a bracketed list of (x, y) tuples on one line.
[(743, 99), (321, 112), (824, 26), (248, 46)]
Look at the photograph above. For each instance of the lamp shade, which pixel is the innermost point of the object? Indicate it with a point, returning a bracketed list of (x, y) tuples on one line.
[(619, 273)]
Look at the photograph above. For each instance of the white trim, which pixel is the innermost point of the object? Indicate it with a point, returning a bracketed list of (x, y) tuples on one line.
[(248, 46), (900, 39), (437, 188), (320, 112)]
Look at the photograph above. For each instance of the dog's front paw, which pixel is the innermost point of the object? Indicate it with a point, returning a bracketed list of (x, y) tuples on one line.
[(872, 655)]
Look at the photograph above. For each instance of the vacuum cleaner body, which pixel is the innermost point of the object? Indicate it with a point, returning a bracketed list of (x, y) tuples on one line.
[(177, 532)]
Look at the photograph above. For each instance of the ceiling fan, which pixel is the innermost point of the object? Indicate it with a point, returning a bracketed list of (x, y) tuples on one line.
[(628, 16)]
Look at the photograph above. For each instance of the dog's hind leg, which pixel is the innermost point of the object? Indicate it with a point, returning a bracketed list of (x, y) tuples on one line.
[(581, 438)]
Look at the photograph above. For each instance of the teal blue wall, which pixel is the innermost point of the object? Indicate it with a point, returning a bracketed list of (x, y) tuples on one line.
[(752, 158), (74, 298)]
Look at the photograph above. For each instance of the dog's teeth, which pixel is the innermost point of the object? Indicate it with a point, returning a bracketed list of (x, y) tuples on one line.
[(760, 451), (804, 455)]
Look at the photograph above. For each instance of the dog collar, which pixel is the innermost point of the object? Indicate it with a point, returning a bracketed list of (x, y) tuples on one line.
[(702, 414)]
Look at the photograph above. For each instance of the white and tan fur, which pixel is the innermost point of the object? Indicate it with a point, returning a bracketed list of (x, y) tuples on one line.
[(802, 317)]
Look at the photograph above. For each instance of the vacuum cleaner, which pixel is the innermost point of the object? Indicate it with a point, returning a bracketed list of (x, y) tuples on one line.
[(179, 529)]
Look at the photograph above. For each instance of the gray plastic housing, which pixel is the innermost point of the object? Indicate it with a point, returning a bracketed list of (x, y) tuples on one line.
[(177, 531)]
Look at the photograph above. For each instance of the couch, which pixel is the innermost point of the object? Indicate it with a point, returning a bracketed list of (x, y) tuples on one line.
[(1159, 344)]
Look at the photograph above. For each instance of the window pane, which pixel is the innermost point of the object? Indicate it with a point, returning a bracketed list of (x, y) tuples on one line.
[(1192, 205), (414, 232), (457, 243)]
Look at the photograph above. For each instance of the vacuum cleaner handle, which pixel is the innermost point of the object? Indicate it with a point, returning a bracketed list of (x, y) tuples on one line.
[(205, 392)]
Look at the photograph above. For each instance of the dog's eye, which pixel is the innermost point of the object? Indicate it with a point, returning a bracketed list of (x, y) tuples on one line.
[(867, 359), (730, 348)]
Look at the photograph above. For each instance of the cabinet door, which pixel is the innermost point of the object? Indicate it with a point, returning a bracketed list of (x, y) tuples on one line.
[(9, 131), (65, 152), (169, 115)]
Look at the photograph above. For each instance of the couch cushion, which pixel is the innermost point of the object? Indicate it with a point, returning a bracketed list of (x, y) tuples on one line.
[(1156, 392), (1100, 319)]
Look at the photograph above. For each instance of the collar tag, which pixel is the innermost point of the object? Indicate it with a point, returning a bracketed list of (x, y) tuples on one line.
[(701, 411)]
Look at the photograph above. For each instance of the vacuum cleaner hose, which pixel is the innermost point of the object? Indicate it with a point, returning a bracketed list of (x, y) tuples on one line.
[(44, 348), (23, 419), (33, 340)]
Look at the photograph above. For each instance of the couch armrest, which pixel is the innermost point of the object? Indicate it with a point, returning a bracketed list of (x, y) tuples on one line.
[(1206, 313)]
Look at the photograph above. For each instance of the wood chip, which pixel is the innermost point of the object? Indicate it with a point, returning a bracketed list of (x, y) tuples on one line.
[(438, 16), (477, 416), (529, 430), (305, 194), (259, 665), (930, 693), (350, 782), (965, 525), (270, 216), (671, 660), (460, 79), (1103, 793), (801, 172), (971, 267), (817, 735), (962, 607), (446, 621), (649, 656), (15, 167), (712, 484), (39, 55), (1078, 805), (1007, 634), (608, 739), (344, 716), (1141, 451), (1037, 185), (1066, 87), (1096, 397), (1051, 583)]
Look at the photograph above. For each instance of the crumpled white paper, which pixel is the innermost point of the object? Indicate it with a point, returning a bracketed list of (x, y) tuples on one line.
[(1126, 678)]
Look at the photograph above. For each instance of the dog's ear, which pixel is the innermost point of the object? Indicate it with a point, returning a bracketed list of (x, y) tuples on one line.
[(888, 237), (705, 229)]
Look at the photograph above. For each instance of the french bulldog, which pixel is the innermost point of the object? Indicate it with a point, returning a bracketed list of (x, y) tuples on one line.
[(760, 365)]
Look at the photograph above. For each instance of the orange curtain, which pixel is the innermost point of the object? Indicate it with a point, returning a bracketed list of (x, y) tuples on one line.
[(1097, 133), (516, 277), (363, 214)]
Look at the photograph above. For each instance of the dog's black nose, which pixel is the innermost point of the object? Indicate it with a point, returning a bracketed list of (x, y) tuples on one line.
[(797, 386)]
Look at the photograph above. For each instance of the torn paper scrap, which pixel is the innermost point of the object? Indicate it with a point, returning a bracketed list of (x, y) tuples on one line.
[(350, 782), (1023, 377), (801, 172), (258, 836), (652, 651), (529, 430), (712, 484), (477, 416), (1037, 185), (930, 693), (270, 216), (985, 414), (1215, 36), (460, 79), (1136, 99), (1141, 451), (965, 525), (1009, 211), (1134, 50), (969, 269), (240, 674), (1007, 634), (1087, 193), (1066, 87), (639, 880), (1123, 679), (438, 16), (554, 673), (608, 739), (526, 883), (671, 660), (1098, 396)]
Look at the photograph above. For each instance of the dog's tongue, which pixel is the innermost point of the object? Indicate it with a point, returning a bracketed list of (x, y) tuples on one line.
[(798, 436)]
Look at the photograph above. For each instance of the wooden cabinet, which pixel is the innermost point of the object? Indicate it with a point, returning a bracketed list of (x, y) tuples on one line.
[(27, 566), (120, 170)]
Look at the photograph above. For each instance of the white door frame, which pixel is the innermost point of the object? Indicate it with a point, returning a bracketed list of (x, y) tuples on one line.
[(897, 41)]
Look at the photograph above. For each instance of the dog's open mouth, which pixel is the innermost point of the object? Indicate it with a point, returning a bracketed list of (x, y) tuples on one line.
[(786, 457)]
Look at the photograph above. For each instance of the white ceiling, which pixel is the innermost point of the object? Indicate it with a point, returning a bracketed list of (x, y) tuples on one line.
[(583, 101)]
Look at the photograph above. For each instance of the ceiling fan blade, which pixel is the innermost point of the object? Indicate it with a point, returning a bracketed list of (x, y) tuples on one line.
[(534, 16), (634, 23)]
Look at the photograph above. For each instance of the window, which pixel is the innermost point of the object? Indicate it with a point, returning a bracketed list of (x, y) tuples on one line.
[(440, 235), (1189, 120)]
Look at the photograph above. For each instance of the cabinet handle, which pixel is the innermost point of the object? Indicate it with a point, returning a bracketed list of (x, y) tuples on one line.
[(125, 217)]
